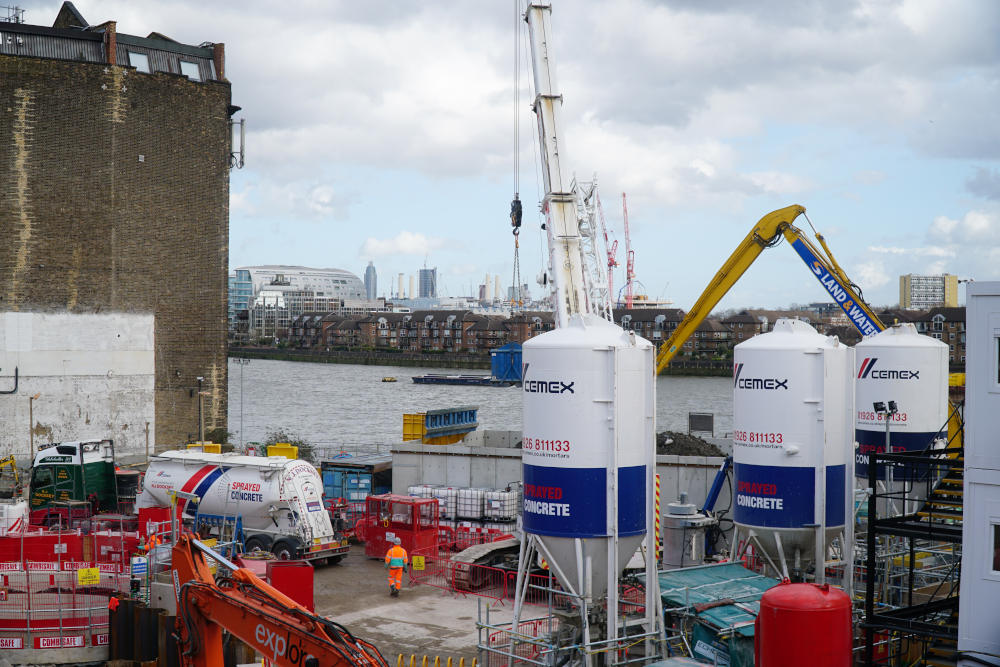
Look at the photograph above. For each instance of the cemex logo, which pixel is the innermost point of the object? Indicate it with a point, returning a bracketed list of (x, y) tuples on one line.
[(868, 370), (756, 383), (544, 386)]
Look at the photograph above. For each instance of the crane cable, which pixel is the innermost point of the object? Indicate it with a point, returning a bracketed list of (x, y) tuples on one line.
[(516, 210)]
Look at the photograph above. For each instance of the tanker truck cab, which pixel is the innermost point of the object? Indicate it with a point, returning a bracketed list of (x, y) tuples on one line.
[(68, 471), (278, 500), (302, 489)]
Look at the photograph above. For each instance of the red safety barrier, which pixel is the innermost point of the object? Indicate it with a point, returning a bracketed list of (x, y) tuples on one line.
[(494, 581), (632, 600), (501, 640)]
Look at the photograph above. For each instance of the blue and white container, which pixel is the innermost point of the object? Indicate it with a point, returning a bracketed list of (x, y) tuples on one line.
[(899, 365), (792, 436), (588, 437)]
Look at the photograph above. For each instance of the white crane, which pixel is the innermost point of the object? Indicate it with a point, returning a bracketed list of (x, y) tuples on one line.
[(566, 257)]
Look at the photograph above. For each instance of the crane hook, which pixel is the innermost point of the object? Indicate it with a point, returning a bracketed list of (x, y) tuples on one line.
[(515, 214)]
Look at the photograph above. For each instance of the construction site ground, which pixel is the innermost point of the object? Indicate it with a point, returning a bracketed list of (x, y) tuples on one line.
[(423, 620)]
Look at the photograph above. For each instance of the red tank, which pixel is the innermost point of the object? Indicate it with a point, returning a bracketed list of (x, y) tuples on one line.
[(803, 624)]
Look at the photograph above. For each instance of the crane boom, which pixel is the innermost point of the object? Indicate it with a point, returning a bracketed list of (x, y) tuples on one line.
[(629, 257), (559, 205), (767, 233)]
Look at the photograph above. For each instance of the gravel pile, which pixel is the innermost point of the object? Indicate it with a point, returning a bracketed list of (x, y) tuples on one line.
[(682, 444)]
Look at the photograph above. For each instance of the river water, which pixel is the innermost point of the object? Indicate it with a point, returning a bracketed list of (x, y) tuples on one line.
[(338, 406)]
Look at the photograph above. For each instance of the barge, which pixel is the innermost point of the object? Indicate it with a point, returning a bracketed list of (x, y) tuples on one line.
[(475, 380)]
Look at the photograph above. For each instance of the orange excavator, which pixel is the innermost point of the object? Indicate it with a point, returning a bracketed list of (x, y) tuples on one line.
[(279, 628)]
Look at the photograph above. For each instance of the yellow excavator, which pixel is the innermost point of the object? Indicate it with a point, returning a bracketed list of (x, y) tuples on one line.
[(767, 233)]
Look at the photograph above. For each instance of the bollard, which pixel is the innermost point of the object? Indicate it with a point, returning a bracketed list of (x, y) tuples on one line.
[(424, 662), (399, 660), (449, 661), (437, 661), (413, 660)]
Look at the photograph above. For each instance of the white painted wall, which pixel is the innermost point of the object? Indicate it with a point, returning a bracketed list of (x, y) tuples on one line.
[(94, 374)]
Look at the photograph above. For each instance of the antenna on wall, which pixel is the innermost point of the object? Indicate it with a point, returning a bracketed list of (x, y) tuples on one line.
[(237, 155)]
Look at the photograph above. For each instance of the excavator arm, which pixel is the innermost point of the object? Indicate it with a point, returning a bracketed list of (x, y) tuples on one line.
[(279, 628), (767, 233)]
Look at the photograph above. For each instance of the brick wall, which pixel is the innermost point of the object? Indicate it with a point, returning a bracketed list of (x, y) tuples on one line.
[(114, 196)]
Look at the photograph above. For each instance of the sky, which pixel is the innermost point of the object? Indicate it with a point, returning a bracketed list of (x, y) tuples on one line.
[(397, 132)]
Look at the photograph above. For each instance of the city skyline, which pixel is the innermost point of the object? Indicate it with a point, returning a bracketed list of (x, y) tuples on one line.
[(398, 139)]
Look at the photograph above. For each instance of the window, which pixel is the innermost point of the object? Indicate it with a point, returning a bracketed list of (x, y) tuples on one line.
[(190, 70), (140, 61), (996, 547), (951, 336)]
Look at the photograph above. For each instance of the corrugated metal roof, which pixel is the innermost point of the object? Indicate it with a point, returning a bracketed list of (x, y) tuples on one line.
[(33, 41), (50, 43)]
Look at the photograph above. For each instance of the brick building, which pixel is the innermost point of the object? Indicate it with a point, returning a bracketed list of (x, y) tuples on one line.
[(948, 326), (114, 198)]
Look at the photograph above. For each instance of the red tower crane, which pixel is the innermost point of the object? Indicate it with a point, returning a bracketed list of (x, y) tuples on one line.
[(629, 257)]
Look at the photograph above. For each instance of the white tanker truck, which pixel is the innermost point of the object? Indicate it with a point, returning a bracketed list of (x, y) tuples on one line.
[(279, 500)]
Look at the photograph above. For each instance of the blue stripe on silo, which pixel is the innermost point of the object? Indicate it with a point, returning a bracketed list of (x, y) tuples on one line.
[(773, 496), (784, 497), (835, 495), (565, 502), (631, 501), (874, 440)]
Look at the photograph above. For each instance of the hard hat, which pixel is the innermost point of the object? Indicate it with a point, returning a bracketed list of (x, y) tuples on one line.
[(396, 540)]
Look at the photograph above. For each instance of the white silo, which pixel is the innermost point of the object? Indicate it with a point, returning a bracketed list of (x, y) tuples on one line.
[(910, 369), (792, 438), (588, 437)]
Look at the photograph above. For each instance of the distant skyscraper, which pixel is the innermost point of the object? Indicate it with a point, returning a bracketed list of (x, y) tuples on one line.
[(924, 292), (428, 283), (371, 282)]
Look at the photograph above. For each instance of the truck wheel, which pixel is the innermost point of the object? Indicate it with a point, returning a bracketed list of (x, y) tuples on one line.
[(257, 542), (334, 560), (285, 550)]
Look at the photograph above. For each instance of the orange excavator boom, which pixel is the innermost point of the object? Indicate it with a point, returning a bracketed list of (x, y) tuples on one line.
[(279, 628)]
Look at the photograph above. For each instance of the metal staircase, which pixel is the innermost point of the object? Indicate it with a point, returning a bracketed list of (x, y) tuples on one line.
[(919, 624)]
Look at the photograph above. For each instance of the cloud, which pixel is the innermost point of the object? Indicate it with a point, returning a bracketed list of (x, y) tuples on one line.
[(464, 269), (872, 274), (985, 183), (972, 229), (404, 243), (239, 201), (919, 252)]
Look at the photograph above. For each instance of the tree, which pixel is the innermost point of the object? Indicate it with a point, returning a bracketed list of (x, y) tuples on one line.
[(306, 450)]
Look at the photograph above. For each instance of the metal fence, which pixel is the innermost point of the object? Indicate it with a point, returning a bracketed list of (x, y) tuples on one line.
[(52, 609)]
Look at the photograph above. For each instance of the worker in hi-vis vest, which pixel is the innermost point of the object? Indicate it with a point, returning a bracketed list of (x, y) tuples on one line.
[(396, 559)]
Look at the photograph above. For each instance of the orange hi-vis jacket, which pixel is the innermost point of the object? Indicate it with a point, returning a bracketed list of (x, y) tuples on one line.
[(396, 557)]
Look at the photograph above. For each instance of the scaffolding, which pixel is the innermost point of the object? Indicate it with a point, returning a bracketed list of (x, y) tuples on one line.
[(913, 558)]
